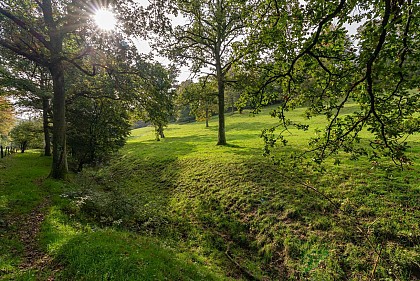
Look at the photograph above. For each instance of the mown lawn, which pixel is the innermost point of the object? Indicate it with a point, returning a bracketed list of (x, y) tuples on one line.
[(186, 209)]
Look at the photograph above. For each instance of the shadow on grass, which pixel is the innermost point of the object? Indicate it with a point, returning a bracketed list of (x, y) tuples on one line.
[(243, 126), (175, 147), (111, 255)]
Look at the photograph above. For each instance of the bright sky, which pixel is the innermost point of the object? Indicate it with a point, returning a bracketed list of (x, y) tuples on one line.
[(105, 19)]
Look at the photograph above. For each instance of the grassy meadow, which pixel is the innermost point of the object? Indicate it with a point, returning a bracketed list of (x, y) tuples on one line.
[(186, 209)]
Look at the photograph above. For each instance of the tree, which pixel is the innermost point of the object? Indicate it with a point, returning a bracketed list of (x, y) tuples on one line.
[(54, 35), (7, 116), (30, 85), (207, 40), (310, 43), (98, 126), (201, 97), (233, 92), (154, 94), (27, 134)]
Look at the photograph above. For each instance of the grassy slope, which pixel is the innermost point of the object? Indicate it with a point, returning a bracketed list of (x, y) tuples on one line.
[(232, 209), (226, 211), (64, 248)]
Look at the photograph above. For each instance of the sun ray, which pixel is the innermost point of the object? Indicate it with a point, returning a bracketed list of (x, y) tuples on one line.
[(105, 19)]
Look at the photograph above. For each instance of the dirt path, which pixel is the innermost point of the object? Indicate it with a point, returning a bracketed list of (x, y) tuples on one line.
[(27, 230)]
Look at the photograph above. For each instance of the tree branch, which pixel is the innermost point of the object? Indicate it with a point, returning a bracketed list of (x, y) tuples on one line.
[(25, 27)]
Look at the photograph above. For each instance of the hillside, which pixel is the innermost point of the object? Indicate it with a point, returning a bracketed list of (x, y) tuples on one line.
[(186, 209)]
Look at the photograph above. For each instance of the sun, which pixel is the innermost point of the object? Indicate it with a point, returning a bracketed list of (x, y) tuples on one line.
[(105, 19)]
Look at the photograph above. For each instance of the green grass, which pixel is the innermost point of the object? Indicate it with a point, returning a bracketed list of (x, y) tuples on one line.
[(19, 190), (209, 200), (75, 250), (89, 253), (19, 193), (187, 209)]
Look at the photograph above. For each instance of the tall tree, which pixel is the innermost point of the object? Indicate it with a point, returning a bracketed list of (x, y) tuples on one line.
[(27, 134), (207, 40), (154, 94), (97, 127), (55, 34)]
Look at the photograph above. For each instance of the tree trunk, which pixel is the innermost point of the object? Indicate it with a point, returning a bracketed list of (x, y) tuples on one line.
[(220, 75), (161, 134), (59, 166), (1, 151), (23, 146), (221, 98), (157, 135), (47, 139)]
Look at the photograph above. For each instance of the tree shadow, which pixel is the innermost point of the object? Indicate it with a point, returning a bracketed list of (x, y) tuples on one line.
[(113, 255)]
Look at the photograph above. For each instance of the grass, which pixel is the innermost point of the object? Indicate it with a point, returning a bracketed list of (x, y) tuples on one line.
[(186, 209), (87, 253), (214, 200), (18, 195), (69, 249)]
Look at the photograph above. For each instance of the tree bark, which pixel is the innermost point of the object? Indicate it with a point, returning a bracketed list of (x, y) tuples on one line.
[(23, 146), (59, 166), (221, 97), (162, 135)]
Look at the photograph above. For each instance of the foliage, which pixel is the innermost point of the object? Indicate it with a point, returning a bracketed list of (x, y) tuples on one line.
[(319, 62), (155, 96), (31, 87), (55, 35), (27, 134), (232, 97), (200, 97), (26, 81), (7, 117), (97, 127)]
